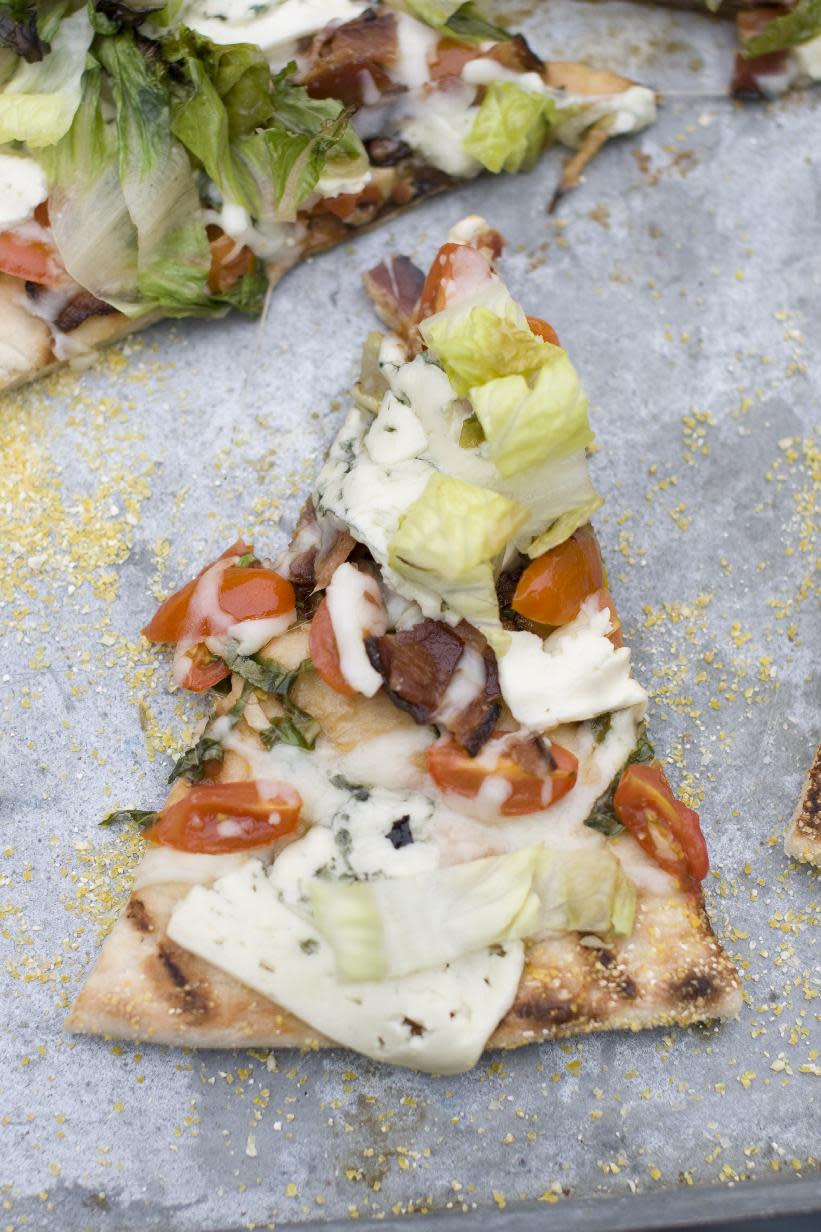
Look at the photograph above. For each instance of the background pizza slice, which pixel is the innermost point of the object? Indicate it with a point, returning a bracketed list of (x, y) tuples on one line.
[(148, 171), (424, 817)]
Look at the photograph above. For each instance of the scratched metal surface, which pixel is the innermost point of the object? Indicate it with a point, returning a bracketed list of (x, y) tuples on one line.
[(684, 280)]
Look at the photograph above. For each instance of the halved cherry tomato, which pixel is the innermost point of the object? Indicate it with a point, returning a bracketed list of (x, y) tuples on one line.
[(542, 330), (666, 829), (325, 652), (222, 817), (552, 589), (204, 669), (166, 624), (229, 261), (33, 260), (453, 263), (453, 770), (603, 599)]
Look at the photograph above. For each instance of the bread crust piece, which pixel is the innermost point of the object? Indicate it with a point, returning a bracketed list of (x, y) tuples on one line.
[(803, 838), (670, 971)]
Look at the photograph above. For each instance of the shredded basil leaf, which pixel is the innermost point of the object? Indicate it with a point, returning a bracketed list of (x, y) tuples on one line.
[(191, 764), (798, 26), (296, 727), (290, 731), (136, 817)]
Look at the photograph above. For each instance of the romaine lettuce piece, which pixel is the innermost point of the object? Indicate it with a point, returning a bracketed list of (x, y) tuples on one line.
[(453, 527), (457, 20), (512, 128), (39, 102), (475, 344), (562, 528), (526, 421), (549, 491), (393, 926), (584, 891)]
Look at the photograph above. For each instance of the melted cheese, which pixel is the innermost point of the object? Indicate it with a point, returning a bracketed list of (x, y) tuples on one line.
[(355, 608), (464, 687), (23, 186), (436, 126), (574, 674), (437, 1021)]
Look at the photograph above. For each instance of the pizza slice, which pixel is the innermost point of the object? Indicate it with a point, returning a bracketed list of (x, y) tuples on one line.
[(803, 837), (151, 170), (425, 818)]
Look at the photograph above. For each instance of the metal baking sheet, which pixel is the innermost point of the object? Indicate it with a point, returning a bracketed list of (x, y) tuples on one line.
[(684, 280)]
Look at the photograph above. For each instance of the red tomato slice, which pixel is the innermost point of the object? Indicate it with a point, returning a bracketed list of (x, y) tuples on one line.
[(167, 622), (453, 263), (542, 330), (666, 829), (552, 589), (603, 599), (254, 593), (453, 770), (205, 669), (32, 260), (229, 261), (345, 204), (325, 652), (225, 817)]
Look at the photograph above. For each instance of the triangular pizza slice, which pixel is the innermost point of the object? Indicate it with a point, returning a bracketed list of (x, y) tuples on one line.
[(425, 817)]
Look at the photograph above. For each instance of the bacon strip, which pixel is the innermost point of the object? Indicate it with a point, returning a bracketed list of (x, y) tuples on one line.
[(79, 309), (417, 666), (316, 550), (394, 287), (348, 62), (750, 75)]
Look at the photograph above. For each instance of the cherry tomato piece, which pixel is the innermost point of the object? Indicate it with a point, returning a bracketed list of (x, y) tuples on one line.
[(167, 623), (542, 330), (666, 829), (230, 261), (535, 782), (254, 593), (325, 652), (552, 589), (32, 260), (603, 599), (346, 204), (204, 671), (215, 819)]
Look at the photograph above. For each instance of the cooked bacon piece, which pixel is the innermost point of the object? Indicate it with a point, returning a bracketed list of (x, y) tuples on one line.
[(349, 62), (316, 550), (78, 309), (418, 665), (749, 75), (394, 287)]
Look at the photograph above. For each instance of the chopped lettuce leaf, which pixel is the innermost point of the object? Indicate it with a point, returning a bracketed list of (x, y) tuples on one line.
[(584, 891), (390, 927), (549, 490), (158, 185), (564, 526), (40, 100), (90, 223), (799, 25), (453, 527), (457, 20), (526, 422), (475, 344), (512, 128)]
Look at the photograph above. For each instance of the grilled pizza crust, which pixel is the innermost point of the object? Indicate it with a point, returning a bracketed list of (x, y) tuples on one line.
[(803, 837), (670, 971)]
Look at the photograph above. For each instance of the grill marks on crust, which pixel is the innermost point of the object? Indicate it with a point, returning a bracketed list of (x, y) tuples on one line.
[(170, 969)]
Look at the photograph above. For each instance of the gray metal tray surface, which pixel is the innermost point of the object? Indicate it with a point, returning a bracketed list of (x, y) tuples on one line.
[(684, 279)]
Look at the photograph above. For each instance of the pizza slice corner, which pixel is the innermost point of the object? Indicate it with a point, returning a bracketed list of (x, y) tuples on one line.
[(424, 818)]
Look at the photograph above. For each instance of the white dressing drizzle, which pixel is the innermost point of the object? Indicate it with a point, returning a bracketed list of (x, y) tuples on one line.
[(356, 611)]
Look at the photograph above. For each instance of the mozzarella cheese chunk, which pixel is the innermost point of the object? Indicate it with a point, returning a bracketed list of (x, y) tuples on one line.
[(437, 1021), (355, 608), (574, 674), (23, 186)]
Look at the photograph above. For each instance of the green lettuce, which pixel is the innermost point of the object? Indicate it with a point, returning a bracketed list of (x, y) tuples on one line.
[(456, 20), (564, 526), (584, 891), (558, 495), (453, 527), (475, 344), (526, 421), (390, 927), (173, 255), (799, 25), (512, 128), (40, 100)]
